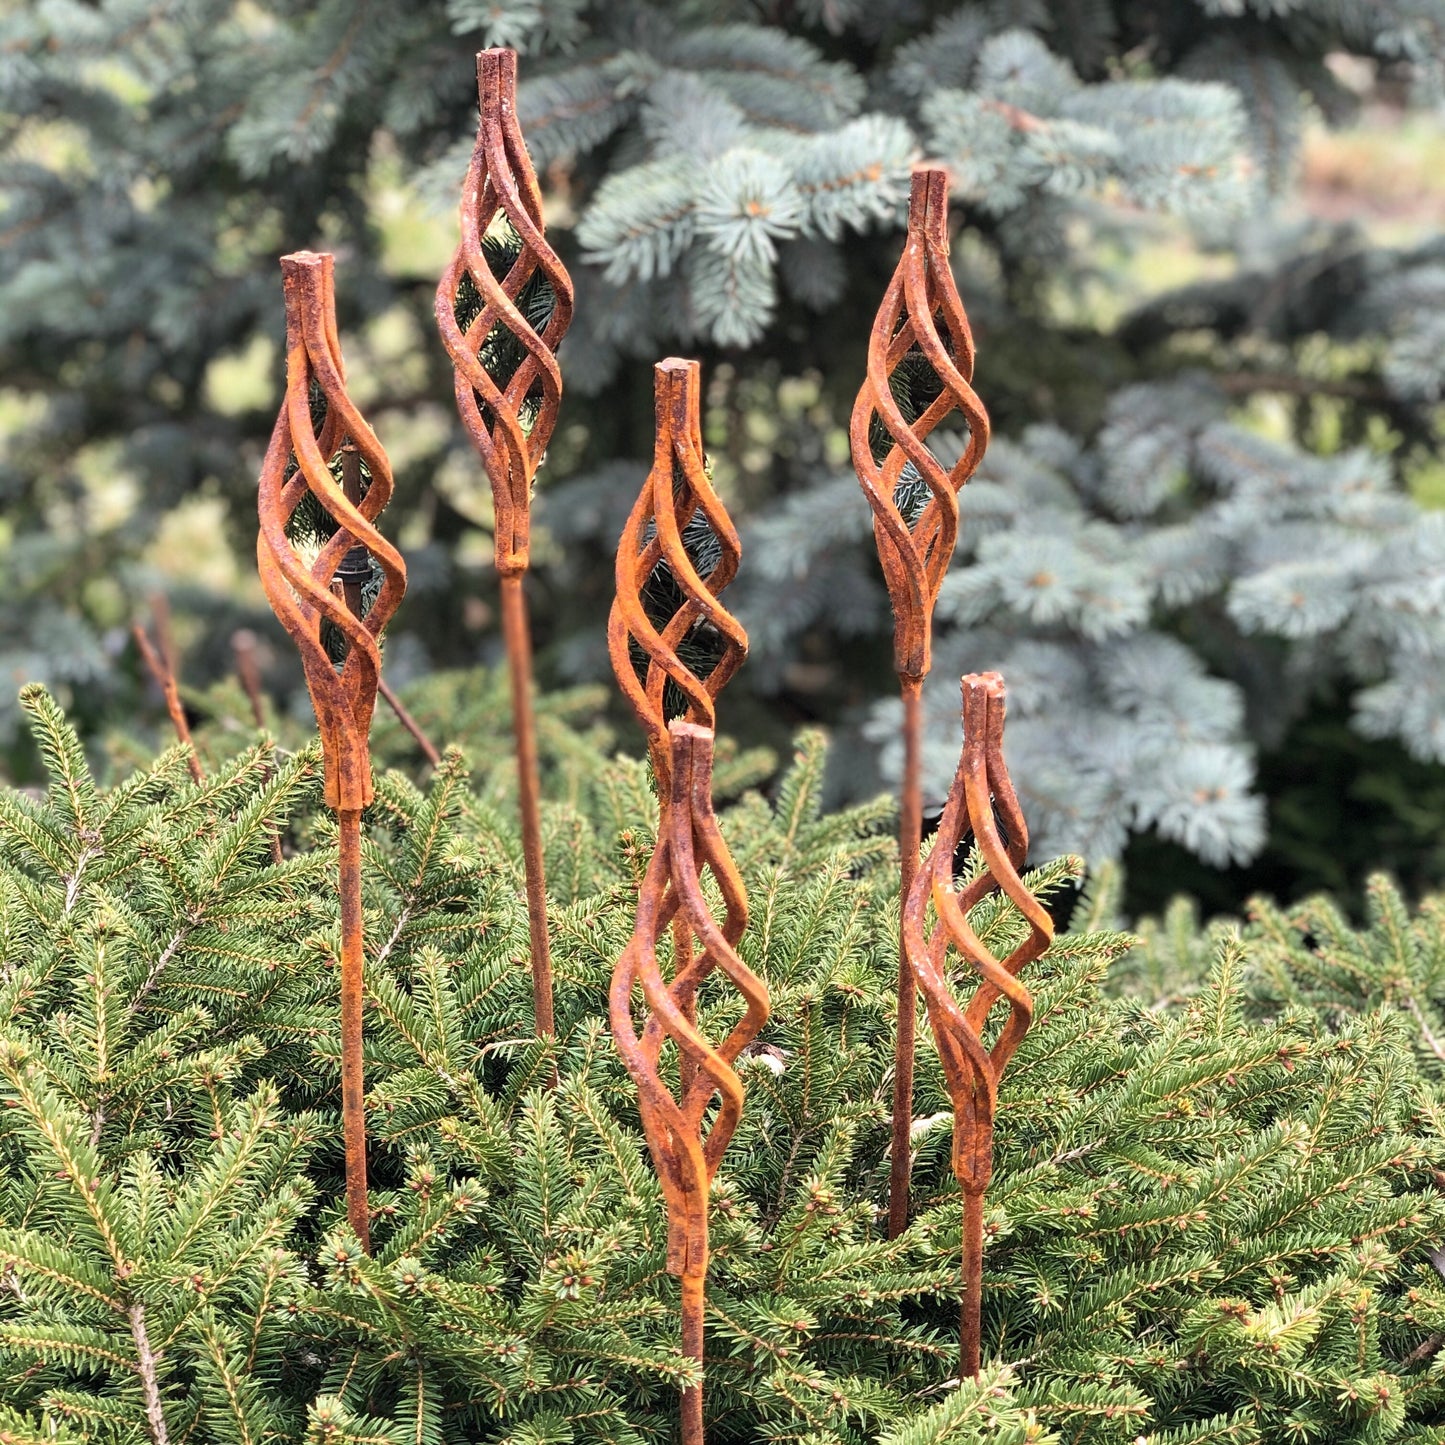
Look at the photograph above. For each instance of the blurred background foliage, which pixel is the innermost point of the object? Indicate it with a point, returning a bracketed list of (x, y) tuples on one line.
[(1197, 238)]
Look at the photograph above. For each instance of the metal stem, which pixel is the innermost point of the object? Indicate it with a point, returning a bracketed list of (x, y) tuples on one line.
[(353, 1087), (910, 839), (692, 1318), (519, 659), (970, 1335)]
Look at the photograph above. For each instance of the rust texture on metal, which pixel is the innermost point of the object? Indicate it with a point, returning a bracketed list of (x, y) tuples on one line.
[(921, 334), (160, 660), (982, 800), (677, 489), (687, 1149), (303, 594), (509, 419)]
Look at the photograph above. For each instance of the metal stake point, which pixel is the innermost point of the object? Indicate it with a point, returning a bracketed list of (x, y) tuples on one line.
[(921, 325), (510, 419), (344, 696), (981, 790)]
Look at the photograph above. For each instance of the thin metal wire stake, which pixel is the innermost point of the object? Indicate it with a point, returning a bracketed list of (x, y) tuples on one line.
[(518, 639), (922, 331), (509, 418)]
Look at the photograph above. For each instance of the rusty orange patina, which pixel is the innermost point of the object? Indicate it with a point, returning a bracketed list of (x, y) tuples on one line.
[(982, 798), (510, 422), (686, 1151), (305, 594), (921, 324)]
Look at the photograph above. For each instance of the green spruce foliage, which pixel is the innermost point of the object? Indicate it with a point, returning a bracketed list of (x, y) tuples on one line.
[(1209, 1222)]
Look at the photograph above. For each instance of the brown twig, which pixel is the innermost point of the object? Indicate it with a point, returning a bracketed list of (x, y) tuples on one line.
[(921, 320), (243, 648), (160, 661), (344, 696), (510, 422)]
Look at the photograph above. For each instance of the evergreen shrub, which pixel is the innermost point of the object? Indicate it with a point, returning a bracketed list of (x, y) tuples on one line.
[(1211, 1221)]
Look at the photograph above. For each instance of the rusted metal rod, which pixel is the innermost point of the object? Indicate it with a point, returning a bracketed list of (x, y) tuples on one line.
[(509, 417), (677, 490), (685, 1151), (160, 661), (302, 596), (921, 342), (982, 798)]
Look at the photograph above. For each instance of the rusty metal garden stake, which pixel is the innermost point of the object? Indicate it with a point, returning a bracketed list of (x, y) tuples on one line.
[(981, 798), (685, 1153), (301, 594), (677, 489), (920, 339), (509, 419), (160, 661)]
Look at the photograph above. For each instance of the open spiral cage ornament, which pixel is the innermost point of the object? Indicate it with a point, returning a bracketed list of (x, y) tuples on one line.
[(982, 798), (677, 492), (301, 593), (921, 319), (686, 1149), (509, 422)]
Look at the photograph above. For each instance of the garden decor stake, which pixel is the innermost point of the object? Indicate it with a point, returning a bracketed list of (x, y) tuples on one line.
[(302, 596), (677, 492), (920, 343), (982, 798), (685, 1151), (508, 387), (160, 661)]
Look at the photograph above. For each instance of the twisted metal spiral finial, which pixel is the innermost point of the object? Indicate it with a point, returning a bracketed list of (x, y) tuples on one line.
[(981, 796), (300, 594), (677, 489), (920, 346), (685, 1153), (509, 422), (921, 328)]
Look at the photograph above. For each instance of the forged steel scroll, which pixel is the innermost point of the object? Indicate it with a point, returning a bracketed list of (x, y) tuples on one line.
[(509, 422), (685, 1150), (300, 593), (676, 490), (982, 796), (920, 347), (921, 317)]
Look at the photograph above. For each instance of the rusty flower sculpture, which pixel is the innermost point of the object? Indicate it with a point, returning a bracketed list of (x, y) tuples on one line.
[(921, 354), (508, 387), (685, 1152), (302, 595), (982, 797)]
